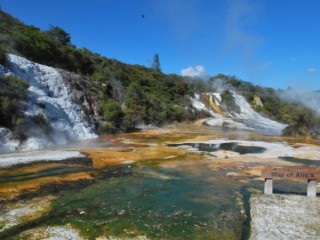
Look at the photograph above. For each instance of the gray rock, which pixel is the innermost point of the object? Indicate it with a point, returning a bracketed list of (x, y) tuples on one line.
[(284, 217)]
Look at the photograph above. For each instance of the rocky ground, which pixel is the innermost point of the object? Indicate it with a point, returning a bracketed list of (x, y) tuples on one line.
[(13, 214), (280, 216)]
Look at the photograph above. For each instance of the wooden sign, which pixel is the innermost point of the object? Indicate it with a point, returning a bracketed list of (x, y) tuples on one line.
[(295, 173), (298, 173)]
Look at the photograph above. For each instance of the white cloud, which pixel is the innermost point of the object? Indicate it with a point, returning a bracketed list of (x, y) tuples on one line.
[(198, 71), (311, 69)]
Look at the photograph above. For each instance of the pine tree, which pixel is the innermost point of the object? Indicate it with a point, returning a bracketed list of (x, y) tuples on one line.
[(156, 63)]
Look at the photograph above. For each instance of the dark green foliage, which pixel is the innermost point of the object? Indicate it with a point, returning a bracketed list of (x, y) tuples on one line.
[(148, 96), (157, 99), (112, 113), (20, 129), (35, 45), (3, 55), (59, 35), (52, 47), (200, 85), (133, 116), (41, 122), (304, 123), (227, 100), (12, 91)]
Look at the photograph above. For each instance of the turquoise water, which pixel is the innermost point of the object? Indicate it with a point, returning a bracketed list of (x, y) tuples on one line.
[(177, 206), (186, 200)]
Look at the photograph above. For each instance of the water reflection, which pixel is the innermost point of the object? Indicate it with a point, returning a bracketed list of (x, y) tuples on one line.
[(228, 146), (308, 162)]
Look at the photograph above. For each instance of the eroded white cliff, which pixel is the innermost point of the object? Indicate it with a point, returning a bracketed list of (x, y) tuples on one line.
[(50, 98)]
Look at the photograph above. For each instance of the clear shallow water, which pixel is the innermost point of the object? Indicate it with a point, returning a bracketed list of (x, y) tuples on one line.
[(173, 206), (161, 198), (147, 200)]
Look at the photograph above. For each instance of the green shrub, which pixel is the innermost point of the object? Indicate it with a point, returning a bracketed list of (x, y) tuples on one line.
[(13, 87), (228, 101), (304, 123), (13, 90), (112, 112), (133, 115), (42, 122), (107, 127), (3, 55), (19, 129)]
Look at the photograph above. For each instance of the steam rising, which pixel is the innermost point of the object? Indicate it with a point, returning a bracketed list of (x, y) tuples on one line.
[(308, 99), (52, 118)]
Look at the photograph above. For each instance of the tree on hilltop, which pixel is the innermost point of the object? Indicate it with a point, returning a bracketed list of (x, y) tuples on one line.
[(59, 35), (156, 63)]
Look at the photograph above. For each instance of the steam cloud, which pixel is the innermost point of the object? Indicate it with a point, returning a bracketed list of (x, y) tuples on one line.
[(239, 40), (308, 99)]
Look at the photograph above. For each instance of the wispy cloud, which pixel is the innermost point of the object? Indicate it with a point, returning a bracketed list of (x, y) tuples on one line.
[(184, 16), (268, 64), (311, 70), (240, 17), (198, 71)]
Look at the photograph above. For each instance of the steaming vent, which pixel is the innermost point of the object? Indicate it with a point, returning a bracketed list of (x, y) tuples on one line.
[(244, 117)]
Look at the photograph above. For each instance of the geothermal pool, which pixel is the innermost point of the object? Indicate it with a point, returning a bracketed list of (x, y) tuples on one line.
[(183, 182)]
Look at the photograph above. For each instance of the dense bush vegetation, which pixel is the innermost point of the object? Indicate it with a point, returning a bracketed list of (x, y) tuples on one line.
[(41, 122), (303, 122), (12, 91), (227, 99), (3, 55), (128, 95)]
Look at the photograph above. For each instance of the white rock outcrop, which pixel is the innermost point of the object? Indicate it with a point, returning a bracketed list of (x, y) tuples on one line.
[(246, 119), (49, 97)]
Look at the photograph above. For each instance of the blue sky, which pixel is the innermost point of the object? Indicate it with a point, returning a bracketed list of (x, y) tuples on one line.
[(273, 43)]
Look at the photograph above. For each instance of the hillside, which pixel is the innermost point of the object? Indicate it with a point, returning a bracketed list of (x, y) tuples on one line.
[(162, 98), (298, 110), (67, 93), (240, 116)]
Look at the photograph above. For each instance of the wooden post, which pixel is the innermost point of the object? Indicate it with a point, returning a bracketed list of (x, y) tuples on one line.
[(312, 188), (268, 187)]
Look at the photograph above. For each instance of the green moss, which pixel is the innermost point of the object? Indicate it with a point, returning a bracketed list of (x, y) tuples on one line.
[(142, 205)]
